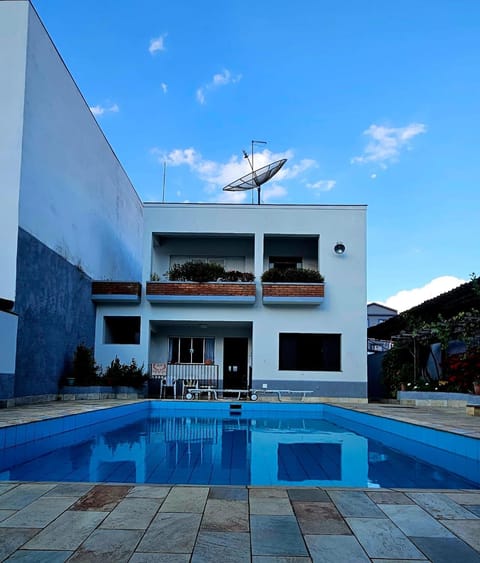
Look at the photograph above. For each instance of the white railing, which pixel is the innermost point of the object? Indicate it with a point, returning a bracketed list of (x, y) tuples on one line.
[(204, 374)]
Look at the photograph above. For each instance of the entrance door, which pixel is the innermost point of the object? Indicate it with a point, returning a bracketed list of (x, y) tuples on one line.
[(235, 363)]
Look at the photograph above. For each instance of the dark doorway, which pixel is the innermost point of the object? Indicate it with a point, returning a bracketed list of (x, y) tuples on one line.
[(235, 363)]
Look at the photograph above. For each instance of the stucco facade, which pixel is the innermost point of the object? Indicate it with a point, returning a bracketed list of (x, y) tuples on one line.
[(246, 237)]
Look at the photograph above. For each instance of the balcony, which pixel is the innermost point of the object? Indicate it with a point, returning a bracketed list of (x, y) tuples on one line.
[(276, 293), (211, 293), (116, 292)]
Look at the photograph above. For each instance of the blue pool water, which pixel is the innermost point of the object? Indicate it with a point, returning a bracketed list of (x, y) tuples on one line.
[(216, 447)]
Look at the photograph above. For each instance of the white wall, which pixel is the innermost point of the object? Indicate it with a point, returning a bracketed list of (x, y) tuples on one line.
[(75, 196), (13, 41)]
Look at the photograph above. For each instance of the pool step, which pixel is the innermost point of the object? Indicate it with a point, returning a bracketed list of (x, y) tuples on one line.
[(235, 408)]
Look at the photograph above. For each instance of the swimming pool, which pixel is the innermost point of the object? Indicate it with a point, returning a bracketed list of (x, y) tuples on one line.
[(238, 444)]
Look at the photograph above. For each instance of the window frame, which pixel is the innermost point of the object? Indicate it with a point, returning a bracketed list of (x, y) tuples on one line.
[(177, 348)]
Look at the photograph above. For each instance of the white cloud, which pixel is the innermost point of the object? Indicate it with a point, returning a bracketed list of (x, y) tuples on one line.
[(386, 143), (408, 298), (216, 175), (200, 95), (297, 169), (373, 176), (157, 44), (220, 79), (273, 192), (225, 77), (100, 110), (322, 185), (164, 87)]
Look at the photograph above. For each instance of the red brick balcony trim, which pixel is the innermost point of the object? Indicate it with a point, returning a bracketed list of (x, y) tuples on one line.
[(116, 291), (210, 292), (293, 293)]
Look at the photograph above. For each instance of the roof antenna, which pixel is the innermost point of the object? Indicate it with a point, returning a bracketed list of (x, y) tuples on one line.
[(164, 180), (255, 178)]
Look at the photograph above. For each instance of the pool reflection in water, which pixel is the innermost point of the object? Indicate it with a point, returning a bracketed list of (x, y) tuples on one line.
[(222, 450)]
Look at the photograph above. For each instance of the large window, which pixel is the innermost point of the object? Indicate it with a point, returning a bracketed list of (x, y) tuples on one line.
[(122, 330), (191, 350), (309, 352)]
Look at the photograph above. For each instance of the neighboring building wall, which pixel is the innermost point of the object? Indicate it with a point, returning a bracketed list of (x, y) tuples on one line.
[(377, 313), (55, 314), (13, 50), (73, 209), (8, 348), (75, 196)]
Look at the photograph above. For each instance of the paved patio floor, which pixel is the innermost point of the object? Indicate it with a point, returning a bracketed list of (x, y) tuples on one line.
[(54, 522)]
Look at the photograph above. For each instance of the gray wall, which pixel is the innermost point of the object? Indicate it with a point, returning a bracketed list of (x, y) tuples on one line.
[(55, 314)]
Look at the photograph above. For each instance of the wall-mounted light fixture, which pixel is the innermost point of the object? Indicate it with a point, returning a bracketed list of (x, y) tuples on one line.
[(339, 248)]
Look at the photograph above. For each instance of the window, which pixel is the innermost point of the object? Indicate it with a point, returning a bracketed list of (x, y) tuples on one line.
[(191, 350), (285, 262), (122, 330), (309, 352)]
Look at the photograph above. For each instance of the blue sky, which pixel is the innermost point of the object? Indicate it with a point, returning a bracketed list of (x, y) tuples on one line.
[(372, 102)]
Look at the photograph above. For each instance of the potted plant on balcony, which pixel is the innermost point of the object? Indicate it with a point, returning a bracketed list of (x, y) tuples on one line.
[(203, 282), (303, 286), (292, 275), (200, 272)]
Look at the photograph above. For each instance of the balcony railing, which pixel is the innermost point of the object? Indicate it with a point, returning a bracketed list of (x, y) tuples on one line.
[(116, 291), (234, 293), (293, 293)]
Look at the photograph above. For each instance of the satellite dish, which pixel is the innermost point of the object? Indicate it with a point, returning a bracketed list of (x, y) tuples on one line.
[(255, 178)]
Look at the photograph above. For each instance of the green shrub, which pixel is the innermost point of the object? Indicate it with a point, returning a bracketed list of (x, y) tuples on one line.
[(84, 368), (236, 276), (126, 375), (206, 272), (292, 275), (196, 271), (397, 368)]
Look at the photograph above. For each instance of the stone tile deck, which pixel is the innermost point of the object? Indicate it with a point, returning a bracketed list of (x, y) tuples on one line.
[(87, 522), (148, 523)]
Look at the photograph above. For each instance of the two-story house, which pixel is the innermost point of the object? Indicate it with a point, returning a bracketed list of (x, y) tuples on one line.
[(246, 334)]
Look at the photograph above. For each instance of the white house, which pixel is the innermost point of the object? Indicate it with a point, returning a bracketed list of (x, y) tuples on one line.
[(376, 314), (69, 216), (283, 336)]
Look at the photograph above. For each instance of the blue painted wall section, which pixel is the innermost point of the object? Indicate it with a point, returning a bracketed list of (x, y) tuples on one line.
[(7, 385), (56, 313)]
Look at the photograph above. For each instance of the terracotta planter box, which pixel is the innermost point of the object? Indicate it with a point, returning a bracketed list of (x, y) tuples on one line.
[(293, 293), (240, 293), (116, 292)]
